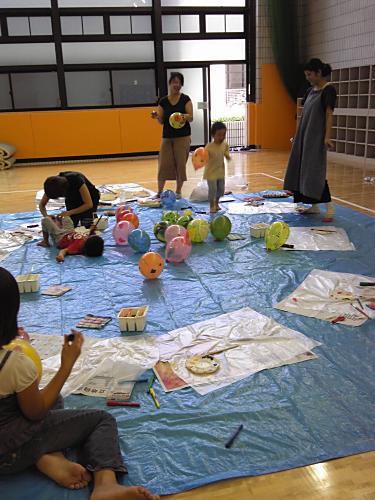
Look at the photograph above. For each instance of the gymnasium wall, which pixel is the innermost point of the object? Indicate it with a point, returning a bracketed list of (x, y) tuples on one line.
[(339, 32), (47, 134)]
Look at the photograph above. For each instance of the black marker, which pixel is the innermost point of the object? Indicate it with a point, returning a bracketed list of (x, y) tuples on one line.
[(287, 246), (70, 337), (367, 283), (231, 440)]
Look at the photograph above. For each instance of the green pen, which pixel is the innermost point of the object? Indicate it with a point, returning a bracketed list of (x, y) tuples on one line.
[(150, 382)]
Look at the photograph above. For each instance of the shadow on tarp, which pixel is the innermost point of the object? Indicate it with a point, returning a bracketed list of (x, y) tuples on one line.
[(292, 416)]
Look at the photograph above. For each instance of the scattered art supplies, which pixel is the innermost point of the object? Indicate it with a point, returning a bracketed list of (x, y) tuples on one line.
[(319, 238), (132, 319), (333, 297), (93, 322), (167, 377), (56, 290)]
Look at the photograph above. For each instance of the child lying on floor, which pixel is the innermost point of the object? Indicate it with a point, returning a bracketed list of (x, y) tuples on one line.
[(69, 241), (35, 430)]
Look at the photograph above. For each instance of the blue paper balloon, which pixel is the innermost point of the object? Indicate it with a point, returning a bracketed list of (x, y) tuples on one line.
[(139, 240), (168, 198)]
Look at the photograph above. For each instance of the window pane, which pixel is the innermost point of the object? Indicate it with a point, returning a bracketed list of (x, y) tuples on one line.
[(215, 23), (17, 54), (202, 3), (25, 3), (234, 23), (5, 100), (71, 25), (134, 86), (18, 26), (190, 24), (107, 52), (40, 26), (88, 88), (170, 24), (120, 25), (210, 50), (105, 3), (141, 24), (35, 90), (93, 25)]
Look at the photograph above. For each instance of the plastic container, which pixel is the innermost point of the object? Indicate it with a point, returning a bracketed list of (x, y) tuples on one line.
[(28, 283), (132, 319), (258, 230)]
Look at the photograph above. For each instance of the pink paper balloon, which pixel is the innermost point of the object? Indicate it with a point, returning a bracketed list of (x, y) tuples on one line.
[(174, 231), (178, 249), (121, 232)]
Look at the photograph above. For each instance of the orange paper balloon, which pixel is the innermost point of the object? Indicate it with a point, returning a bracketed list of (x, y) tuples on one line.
[(200, 158), (151, 265), (132, 218)]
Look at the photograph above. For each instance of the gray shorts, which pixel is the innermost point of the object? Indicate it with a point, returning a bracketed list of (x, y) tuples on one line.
[(216, 189), (54, 230)]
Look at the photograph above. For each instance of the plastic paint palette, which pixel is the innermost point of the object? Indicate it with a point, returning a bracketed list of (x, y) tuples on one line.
[(132, 319), (258, 230), (28, 282)]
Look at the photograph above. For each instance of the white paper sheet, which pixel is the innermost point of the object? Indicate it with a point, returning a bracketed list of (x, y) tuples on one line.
[(268, 207), (319, 238), (260, 342), (328, 295)]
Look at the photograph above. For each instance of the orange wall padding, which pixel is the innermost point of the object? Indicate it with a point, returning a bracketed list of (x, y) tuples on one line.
[(272, 123), (48, 134)]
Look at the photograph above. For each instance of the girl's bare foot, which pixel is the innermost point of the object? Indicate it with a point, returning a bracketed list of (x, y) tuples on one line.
[(43, 244), (64, 472), (118, 492)]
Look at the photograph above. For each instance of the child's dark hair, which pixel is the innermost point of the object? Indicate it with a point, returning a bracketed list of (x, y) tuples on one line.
[(94, 246), (9, 307), (216, 126), (53, 187), (317, 65), (176, 74)]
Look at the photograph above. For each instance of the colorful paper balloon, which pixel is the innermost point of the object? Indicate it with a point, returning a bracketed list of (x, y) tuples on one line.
[(151, 265), (200, 158), (122, 210), (132, 218), (276, 235), (176, 120), (198, 230), (168, 198), (220, 227), (121, 232), (170, 216), (174, 231), (184, 221), (178, 249), (159, 230), (139, 240), (29, 351)]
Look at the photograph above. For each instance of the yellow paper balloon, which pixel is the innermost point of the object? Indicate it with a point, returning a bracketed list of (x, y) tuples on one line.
[(276, 235), (29, 351)]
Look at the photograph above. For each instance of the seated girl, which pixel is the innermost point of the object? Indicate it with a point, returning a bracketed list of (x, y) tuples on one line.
[(36, 430)]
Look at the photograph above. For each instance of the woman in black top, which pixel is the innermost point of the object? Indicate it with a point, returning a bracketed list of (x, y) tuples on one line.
[(175, 145), (81, 196)]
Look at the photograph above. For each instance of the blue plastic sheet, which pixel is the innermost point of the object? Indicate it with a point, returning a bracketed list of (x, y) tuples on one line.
[(292, 416)]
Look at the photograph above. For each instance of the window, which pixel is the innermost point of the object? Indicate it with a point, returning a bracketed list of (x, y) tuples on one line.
[(120, 25), (5, 99), (211, 50), (220, 23), (215, 23), (234, 23), (202, 3), (93, 25), (13, 4), (141, 24), (134, 86), (22, 54), (40, 26), (235, 76), (35, 90), (85, 25), (105, 3), (71, 25), (18, 26), (171, 24), (107, 52), (190, 24), (88, 88)]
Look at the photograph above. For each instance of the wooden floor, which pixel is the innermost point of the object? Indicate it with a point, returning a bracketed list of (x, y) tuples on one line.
[(349, 478)]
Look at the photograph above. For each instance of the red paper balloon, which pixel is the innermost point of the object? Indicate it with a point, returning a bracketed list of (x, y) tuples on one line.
[(132, 218)]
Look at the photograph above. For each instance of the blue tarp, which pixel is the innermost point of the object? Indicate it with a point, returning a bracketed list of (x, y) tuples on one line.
[(292, 416)]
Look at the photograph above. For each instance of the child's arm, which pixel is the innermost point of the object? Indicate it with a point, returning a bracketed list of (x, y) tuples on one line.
[(35, 403), (60, 257), (226, 152), (86, 205)]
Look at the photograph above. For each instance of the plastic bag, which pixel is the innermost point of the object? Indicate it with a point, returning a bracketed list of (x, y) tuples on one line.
[(200, 193), (235, 183)]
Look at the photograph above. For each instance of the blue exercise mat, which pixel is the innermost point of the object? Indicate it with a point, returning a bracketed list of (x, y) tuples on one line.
[(292, 416)]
